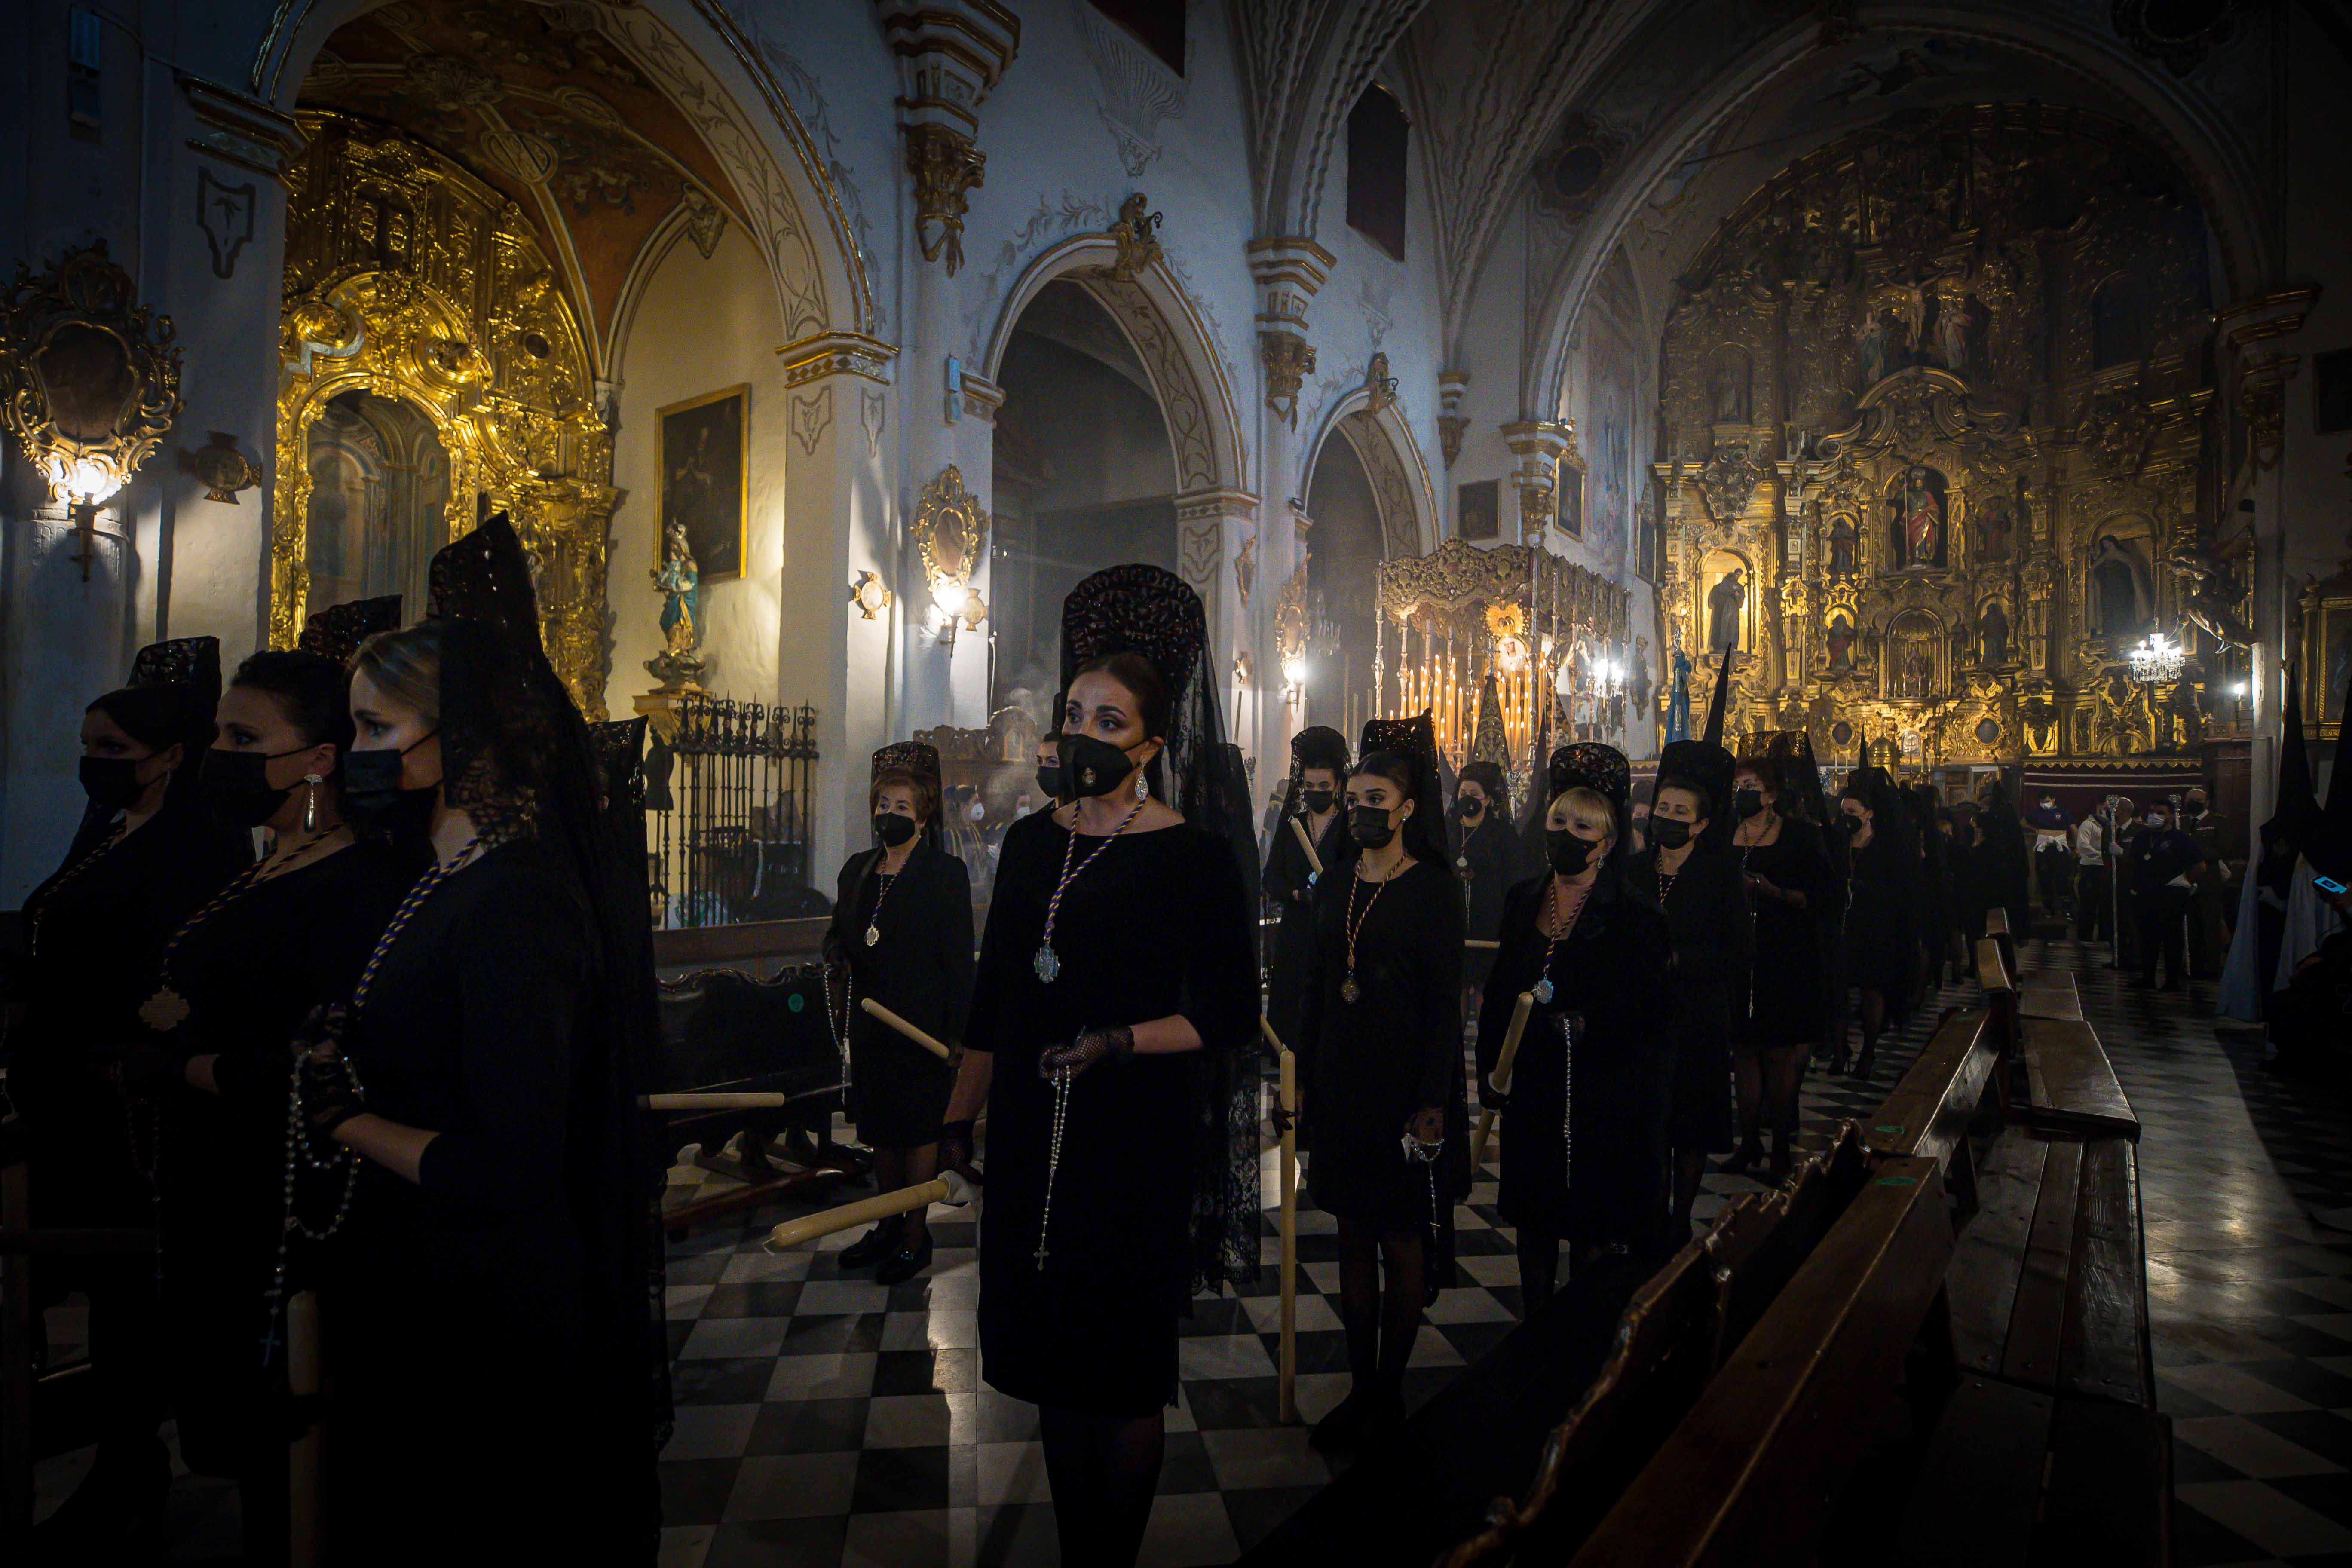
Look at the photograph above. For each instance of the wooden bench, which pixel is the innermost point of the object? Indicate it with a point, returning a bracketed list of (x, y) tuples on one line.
[(1621, 1352), (1750, 1473), (1997, 931), (1932, 1106)]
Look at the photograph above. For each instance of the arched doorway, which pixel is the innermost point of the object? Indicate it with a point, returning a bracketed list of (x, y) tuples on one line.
[(378, 495), (1082, 474), (1367, 501)]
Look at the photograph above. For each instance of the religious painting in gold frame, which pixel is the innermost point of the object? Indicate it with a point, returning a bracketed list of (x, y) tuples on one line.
[(706, 478)]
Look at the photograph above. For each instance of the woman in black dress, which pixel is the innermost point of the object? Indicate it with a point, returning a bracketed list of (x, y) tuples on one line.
[(86, 1080), (901, 935), (494, 1263), (1319, 768), (1786, 868), (1488, 856), (1882, 880), (1111, 1016), (1380, 1058), (1688, 872), (1578, 1160)]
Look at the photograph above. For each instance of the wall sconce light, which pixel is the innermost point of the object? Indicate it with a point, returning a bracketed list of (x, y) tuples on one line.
[(951, 531), (1294, 673), (89, 381), (869, 595)]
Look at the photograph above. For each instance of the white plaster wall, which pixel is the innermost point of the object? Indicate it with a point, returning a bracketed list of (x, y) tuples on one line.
[(705, 325)]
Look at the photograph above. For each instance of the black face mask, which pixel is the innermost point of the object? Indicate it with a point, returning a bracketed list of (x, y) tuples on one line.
[(1316, 801), (1669, 833), (1370, 825), (373, 794), (1849, 823), (1049, 780), (1092, 766), (1470, 810), (111, 781), (2194, 808), (893, 829), (1750, 802), (235, 785), (1568, 853)]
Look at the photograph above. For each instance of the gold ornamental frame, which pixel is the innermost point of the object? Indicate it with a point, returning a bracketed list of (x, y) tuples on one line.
[(741, 390), (407, 278), (951, 530)]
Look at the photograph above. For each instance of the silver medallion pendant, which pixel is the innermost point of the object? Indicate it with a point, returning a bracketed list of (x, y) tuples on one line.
[(1543, 989), (1048, 965), (872, 936), (1347, 989), (1462, 861)]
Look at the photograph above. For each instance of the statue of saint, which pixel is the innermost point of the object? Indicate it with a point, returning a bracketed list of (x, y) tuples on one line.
[(1638, 683), (1723, 606), (678, 581), (1870, 344), (1992, 635), (2121, 599), (1678, 699), (1995, 527), (1841, 546), (1918, 674), (1727, 391), (1840, 639), (1919, 519)]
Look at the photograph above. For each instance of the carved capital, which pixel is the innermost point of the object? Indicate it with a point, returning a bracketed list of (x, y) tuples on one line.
[(837, 353), (1288, 269), (950, 54), (1290, 359), (1539, 444)]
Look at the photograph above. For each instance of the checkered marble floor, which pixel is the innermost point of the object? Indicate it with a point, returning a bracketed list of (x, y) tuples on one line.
[(828, 1420)]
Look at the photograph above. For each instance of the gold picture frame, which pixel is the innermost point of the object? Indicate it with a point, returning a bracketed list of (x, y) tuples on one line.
[(706, 478)]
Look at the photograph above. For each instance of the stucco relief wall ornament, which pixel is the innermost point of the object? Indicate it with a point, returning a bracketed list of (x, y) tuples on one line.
[(224, 470), (89, 380), (946, 166), (949, 528), (1136, 233), (1729, 482), (1290, 359)]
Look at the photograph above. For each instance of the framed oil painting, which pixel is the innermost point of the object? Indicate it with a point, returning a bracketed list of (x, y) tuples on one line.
[(705, 482)]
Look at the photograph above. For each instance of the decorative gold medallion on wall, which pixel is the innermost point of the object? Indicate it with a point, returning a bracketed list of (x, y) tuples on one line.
[(950, 530), (90, 379)]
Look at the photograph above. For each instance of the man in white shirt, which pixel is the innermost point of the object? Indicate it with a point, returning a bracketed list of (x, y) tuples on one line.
[(2094, 914)]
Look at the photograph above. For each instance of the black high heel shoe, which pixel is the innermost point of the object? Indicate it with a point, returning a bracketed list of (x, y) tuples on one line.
[(1864, 1062), (873, 1246)]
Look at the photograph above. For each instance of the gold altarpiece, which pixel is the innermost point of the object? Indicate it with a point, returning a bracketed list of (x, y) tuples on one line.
[(407, 278), (1940, 445)]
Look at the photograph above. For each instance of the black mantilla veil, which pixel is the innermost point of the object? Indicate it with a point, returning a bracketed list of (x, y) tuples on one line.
[(1317, 746), (174, 687), (337, 631), (1425, 838), (1150, 611), (922, 760), (518, 757)]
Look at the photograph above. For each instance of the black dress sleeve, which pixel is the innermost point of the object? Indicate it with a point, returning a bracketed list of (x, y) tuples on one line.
[(1219, 995), (523, 969), (956, 961), (1440, 1030)]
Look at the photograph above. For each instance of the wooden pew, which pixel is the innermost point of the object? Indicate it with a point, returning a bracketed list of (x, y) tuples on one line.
[(724, 1030), (1621, 1352), (1749, 1475), (1928, 1112), (1997, 930)]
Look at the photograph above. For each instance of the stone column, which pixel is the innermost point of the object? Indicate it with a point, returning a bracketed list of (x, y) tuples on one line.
[(1217, 551), (950, 54), (838, 478), (1288, 270)]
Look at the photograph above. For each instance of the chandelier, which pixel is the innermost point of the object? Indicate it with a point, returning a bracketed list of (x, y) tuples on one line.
[(2156, 660), (1608, 676)]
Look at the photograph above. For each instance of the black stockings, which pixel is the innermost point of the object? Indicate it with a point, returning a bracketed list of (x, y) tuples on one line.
[(1105, 1470), (1539, 1270), (896, 1168), (1381, 1325), (1874, 1023)]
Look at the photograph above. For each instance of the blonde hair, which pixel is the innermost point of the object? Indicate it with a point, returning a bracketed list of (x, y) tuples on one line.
[(405, 665), (1586, 808)]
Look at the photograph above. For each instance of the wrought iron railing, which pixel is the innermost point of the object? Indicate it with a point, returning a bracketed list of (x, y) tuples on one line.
[(729, 787)]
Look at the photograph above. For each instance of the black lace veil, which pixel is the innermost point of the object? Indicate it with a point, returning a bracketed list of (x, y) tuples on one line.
[(1150, 611), (518, 757), (1425, 835), (1317, 746), (337, 631)]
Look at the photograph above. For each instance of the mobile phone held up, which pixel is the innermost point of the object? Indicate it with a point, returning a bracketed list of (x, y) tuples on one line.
[(2328, 885)]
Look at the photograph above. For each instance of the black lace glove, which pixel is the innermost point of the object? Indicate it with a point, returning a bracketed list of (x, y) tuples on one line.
[(1493, 1098), (1091, 1047), (329, 1091), (1281, 1121), (956, 1149)]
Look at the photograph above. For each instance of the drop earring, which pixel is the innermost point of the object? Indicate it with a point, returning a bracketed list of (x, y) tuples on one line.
[(1142, 788), (311, 802)]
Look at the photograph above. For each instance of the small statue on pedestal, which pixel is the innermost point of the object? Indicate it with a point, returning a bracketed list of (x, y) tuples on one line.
[(680, 664)]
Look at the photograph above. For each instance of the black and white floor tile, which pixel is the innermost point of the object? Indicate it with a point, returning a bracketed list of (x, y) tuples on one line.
[(825, 1419)]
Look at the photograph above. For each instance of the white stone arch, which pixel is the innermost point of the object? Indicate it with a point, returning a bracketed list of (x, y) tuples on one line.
[(2209, 154), (1171, 340), (695, 54), (1382, 441)]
